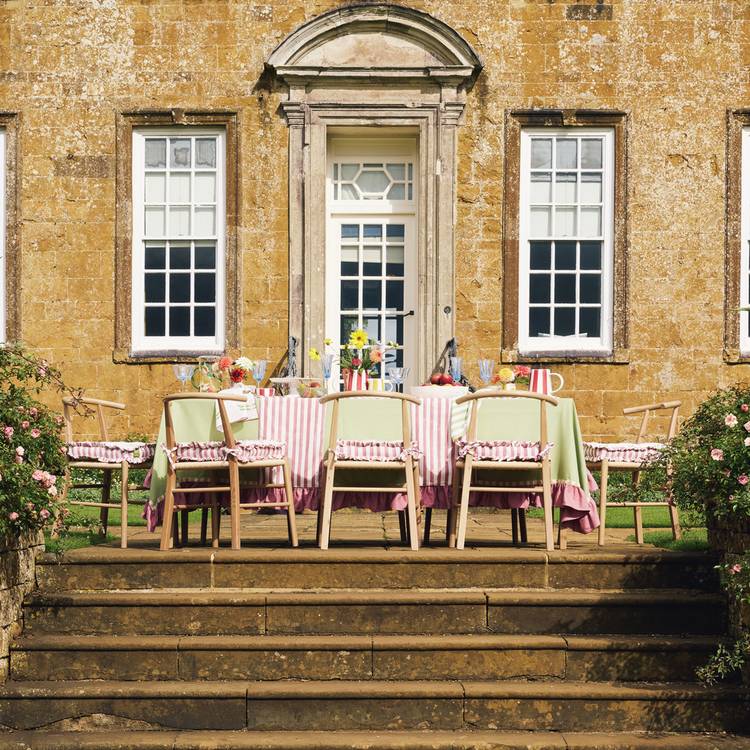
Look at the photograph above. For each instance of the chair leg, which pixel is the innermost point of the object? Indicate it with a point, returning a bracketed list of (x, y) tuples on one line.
[(463, 515), (522, 525), (234, 502), (106, 497), (204, 526), (168, 520), (411, 492), (514, 525), (124, 505), (290, 516), (547, 497), (427, 525), (637, 512), (184, 521), (451, 522), (603, 502), (215, 522), (327, 509), (675, 520), (402, 526)]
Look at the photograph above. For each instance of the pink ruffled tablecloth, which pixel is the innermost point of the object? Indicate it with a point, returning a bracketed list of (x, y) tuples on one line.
[(300, 423)]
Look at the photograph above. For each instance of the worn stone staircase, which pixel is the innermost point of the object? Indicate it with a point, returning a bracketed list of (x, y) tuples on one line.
[(351, 648)]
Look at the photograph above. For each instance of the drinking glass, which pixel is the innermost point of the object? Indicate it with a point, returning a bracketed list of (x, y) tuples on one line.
[(183, 373), (486, 368), (398, 375), (326, 362), (455, 368), (259, 370)]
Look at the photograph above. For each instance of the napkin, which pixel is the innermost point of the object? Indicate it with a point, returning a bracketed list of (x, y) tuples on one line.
[(236, 410)]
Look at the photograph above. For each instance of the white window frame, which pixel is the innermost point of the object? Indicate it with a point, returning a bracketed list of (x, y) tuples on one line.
[(568, 345), (3, 248), (744, 316), (141, 344)]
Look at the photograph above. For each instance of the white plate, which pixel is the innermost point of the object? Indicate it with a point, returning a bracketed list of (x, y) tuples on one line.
[(438, 391)]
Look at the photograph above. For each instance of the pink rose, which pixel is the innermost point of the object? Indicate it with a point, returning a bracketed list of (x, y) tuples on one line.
[(18, 459), (717, 454), (736, 568), (59, 420), (33, 411), (44, 513), (37, 475), (747, 426), (13, 516), (730, 420), (8, 432), (743, 479), (745, 408), (20, 450), (52, 490), (35, 432), (747, 442), (25, 424), (42, 371)]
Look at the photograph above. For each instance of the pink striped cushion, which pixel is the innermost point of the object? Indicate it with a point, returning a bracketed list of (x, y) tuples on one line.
[(624, 453), (111, 452), (245, 450), (198, 451), (503, 450), (374, 450), (259, 450)]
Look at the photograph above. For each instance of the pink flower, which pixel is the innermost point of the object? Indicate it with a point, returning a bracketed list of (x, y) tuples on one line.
[(33, 411), (8, 432), (730, 420), (42, 371), (717, 454), (13, 516), (18, 459), (745, 408), (743, 479), (59, 420), (736, 568), (747, 426), (38, 475), (44, 513), (52, 490), (25, 424), (35, 432), (747, 442), (20, 450)]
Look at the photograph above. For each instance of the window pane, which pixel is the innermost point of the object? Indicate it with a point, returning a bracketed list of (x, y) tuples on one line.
[(350, 231), (205, 287), (539, 287), (155, 257), (179, 153), (565, 288), (179, 287), (541, 187), (394, 295), (396, 193), (541, 255), (155, 188), (565, 255), (396, 171), (590, 321), (349, 295), (349, 193), (373, 182), (591, 288), (154, 226), (205, 321), (349, 171), (373, 230), (591, 153), (394, 260), (565, 187), (591, 255), (541, 153), (565, 321), (205, 152), (591, 221), (179, 221), (565, 222), (567, 153), (371, 295), (205, 256), (154, 321), (348, 324), (371, 255), (394, 231), (179, 256), (156, 154), (154, 287), (205, 188), (179, 187), (538, 321), (179, 321), (205, 222), (349, 260), (372, 327), (591, 188), (540, 222)]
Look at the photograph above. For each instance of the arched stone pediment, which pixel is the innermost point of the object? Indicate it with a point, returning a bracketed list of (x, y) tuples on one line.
[(377, 42)]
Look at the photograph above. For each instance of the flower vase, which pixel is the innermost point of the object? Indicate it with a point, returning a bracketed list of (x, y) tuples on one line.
[(510, 387), (355, 380)]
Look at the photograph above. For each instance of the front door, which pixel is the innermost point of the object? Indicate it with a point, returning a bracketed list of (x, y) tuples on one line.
[(371, 253)]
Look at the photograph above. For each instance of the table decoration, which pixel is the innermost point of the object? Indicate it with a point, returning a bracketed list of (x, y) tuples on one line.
[(326, 360), (210, 374), (183, 373), (359, 358), (540, 381), (486, 368), (455, 367), (240, 369)]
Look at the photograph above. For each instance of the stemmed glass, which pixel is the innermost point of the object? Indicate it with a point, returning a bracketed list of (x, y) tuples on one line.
[(183, 373), (326, 362), (259, 370), (486, 368), (397, 376), (455, 368)]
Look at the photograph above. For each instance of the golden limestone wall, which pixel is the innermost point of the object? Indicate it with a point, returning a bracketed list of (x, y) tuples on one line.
[(675, 66)]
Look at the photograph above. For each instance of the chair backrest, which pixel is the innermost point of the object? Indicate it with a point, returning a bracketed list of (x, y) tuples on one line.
[(69, 405), (361, 415), (498, 420), (220, 399), (673, 406)]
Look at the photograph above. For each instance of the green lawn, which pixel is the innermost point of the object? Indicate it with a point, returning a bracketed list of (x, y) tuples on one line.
[(692, 540), (622, 518)]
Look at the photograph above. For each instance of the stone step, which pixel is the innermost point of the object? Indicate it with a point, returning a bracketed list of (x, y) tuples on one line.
[(380, 657), (413, 740), (376, 611), (380, 705), (98, 568)]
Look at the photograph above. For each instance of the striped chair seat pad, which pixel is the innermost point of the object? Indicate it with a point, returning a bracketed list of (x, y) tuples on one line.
[(374, 450), (246, 451), (623, 453), (107, 452), (503, 450)]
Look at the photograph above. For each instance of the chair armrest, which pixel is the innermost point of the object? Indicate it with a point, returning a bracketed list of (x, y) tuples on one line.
[(70, 401)]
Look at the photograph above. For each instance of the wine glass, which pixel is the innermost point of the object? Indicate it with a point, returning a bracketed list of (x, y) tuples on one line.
[(455, 368), (183, 373), (259, 370), (486, 367), (398, 375), (326, 362)]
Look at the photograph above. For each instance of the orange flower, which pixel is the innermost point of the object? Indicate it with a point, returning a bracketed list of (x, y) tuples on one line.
[(224, 363), (376, 355)]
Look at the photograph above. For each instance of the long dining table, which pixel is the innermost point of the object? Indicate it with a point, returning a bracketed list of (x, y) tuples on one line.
[(302, 424)]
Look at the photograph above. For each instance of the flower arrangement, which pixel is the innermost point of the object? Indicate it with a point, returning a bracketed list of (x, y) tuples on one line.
[(238, 369), (519, 374)]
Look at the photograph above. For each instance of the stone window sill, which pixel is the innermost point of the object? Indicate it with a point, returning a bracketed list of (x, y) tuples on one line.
[(618, 357)]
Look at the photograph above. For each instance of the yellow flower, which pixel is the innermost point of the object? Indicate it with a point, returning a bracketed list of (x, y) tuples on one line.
[(505, 375), (314, 354), (327, 342), (358, 339)]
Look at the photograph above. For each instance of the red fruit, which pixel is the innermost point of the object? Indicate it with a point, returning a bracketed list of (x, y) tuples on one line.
[(446, 380), (436, 378)]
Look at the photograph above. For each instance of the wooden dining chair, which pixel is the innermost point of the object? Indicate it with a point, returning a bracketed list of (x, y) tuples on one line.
[(107, 456), (229, 454), (352, 447), (634, 458), (487, 447)]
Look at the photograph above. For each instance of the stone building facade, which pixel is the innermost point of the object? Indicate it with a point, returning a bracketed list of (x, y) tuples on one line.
[(524, 172)]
